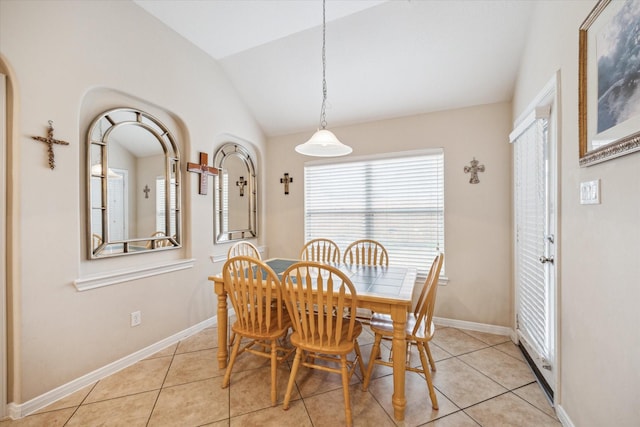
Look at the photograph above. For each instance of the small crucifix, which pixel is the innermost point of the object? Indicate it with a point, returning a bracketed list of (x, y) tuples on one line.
[(473, 170), (241, 183), (204, 170), (146, 191), (286, 181), (49, 140)]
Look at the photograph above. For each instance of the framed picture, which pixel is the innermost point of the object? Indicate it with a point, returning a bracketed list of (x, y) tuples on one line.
[(609, 81)]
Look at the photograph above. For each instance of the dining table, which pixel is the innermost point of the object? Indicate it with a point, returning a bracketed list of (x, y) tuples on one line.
[(381, 289)]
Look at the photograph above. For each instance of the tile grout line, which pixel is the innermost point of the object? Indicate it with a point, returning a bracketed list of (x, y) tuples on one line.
[(153, 408), (81, 402), (532, 405)]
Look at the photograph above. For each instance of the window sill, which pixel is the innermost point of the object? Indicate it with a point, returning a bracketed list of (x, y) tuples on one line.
[(120, 276), (442, 280)]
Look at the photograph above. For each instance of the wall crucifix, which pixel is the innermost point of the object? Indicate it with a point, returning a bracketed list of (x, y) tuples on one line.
[(473, 170), (241, 183), (204, 170), (49, 140), (286, 181)]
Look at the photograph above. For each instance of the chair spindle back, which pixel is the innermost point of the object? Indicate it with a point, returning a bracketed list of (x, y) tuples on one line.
[(366, 252), (316, 295), (322, 250), (426, 304), (244, 248), (254, 290)]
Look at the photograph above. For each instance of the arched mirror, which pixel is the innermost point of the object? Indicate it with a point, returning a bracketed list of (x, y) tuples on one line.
[(236, 194), (133, 185)]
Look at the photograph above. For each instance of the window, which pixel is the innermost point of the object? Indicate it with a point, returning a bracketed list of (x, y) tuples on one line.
[(397, 200)]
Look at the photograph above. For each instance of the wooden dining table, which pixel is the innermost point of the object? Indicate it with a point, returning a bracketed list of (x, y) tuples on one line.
[(380, 289)]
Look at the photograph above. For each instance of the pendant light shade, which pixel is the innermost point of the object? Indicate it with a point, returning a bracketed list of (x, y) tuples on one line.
[(323, 143)]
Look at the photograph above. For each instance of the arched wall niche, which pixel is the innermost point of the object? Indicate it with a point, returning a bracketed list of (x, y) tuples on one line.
[(226, 139), (139, 211)]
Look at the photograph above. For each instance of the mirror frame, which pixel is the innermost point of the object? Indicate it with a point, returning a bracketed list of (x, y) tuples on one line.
[(99, 247), (222, 234)]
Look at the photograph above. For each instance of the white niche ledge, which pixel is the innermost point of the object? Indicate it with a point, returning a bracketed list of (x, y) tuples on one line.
[(120, 276)]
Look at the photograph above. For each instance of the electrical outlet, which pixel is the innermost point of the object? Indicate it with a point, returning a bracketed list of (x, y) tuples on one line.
[(136, 318)]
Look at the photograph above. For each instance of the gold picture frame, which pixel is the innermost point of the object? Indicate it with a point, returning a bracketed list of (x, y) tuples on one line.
[(608, 82)]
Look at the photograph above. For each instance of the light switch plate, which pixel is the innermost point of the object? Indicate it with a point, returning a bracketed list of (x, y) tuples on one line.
[(590, 192)]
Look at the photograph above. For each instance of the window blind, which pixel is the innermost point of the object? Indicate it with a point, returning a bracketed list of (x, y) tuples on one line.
[(161, 224), (397, 200)]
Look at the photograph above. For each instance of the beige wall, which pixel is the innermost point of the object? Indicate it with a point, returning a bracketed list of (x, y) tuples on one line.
[(599, 249), (57, 52), (477, 217)]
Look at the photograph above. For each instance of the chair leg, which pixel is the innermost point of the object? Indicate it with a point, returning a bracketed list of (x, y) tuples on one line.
[(345, 389), (359, 356), (372, 358), (431, 361), (232, 360), (427, 375), (292, 378), (274, 373)]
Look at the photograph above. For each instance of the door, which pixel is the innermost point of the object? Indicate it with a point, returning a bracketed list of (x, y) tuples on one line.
[(535, 190), (117, 191)]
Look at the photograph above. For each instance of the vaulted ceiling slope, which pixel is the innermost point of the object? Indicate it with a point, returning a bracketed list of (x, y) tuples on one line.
[(385, 59)]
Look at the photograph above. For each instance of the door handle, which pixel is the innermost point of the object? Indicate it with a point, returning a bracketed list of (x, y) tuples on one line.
[(544, 259)]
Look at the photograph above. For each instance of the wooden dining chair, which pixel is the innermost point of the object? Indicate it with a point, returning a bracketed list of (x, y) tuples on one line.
[(244, 248), (322, 250), (159, 243), (314, 292), (419, 331), (254, 290), (366, 252)]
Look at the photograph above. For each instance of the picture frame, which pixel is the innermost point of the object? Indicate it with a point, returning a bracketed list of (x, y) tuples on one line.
[(609, 82)]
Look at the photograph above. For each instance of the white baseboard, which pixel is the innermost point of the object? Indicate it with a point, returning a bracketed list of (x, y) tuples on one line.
[(563, 417), (473, 326), (23, 409)]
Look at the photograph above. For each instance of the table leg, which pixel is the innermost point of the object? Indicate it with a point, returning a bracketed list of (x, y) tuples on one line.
[(399, 401), (223, 351)]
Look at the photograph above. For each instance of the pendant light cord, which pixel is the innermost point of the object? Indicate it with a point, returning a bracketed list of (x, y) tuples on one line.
[(323, 114)]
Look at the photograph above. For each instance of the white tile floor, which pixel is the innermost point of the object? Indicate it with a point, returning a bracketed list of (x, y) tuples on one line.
[(481, 380)]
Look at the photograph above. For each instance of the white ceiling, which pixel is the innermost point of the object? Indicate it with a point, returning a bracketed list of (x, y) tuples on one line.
[(384, 58)]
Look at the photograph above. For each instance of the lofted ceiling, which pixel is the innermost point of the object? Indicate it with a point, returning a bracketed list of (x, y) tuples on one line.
[(384, 59)]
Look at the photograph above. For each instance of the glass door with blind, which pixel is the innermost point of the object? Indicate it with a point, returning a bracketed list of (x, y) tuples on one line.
[(535, 183)]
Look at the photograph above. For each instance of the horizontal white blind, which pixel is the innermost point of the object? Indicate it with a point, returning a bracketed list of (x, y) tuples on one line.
[(530, 203), (397, 201), (161, 207)]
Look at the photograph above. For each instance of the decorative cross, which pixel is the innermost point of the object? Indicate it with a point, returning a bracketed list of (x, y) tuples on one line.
[(204, 170), (286, 181), (49, 140), (146, 191), (473, 170), (241, 183)]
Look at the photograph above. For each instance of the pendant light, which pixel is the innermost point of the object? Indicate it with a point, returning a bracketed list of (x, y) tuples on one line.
[(323, 143)]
